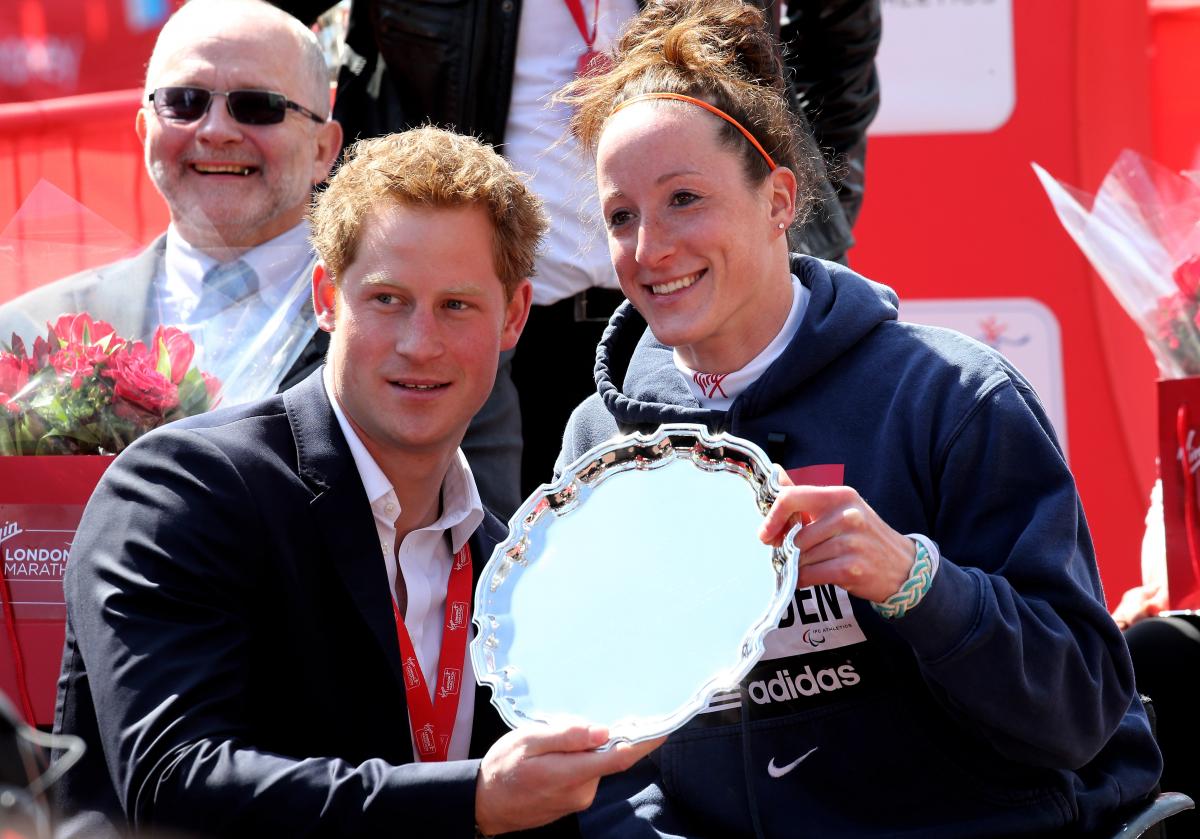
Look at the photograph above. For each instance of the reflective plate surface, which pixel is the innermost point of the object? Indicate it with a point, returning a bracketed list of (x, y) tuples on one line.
[(635, 587)]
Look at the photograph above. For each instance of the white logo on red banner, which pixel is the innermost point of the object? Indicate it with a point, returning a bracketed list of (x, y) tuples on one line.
[(432, 716), (9, 530), (423, 736), (1192, 457), (450, 681), (458, 615), (412, 672)]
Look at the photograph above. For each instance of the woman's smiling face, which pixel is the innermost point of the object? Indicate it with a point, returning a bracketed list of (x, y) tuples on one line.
[(697, 249)]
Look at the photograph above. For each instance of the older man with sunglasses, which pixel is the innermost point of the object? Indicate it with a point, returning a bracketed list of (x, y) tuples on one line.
[(236, 132)]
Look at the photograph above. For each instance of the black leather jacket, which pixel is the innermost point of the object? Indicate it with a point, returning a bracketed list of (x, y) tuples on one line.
[(450, 62)]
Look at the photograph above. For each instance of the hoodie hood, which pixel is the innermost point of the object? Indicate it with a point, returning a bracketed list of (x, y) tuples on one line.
[(640, 385)]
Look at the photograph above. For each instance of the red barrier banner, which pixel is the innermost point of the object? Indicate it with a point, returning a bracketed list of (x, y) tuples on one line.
[(41, 502), (52, 48)]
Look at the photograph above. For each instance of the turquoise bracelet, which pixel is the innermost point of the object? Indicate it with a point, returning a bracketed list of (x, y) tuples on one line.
[(920, 578)]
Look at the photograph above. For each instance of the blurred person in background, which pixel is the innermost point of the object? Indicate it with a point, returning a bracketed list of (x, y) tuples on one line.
[(488, 68), (236, 131), (1165, 647)]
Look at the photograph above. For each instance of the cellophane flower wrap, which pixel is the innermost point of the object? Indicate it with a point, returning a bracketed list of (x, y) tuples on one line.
[(1141, 232), (84, 389), (92, 377)]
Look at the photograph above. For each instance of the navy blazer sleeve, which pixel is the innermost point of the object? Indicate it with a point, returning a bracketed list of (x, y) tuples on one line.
[(165, 591)]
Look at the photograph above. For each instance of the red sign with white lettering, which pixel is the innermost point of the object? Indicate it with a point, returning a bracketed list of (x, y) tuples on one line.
[(1179, 462), (41, 501)]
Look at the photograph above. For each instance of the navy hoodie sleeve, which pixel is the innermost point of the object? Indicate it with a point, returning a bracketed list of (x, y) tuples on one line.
[(1014, 637)]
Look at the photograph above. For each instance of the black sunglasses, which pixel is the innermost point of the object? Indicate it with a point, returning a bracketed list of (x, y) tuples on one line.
[(249, 107)]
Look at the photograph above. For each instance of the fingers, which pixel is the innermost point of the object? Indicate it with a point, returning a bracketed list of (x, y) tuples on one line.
[(636, 751), (578, 767), (846, 526), (843, 541), (534, 775), (801, 504), (1138, 603), (623, 755), (538, 740)]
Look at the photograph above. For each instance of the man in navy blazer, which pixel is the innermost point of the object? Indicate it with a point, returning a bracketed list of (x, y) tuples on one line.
[(243, 582)]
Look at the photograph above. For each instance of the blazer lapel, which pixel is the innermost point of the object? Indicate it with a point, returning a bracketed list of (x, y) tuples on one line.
[(342, 513)]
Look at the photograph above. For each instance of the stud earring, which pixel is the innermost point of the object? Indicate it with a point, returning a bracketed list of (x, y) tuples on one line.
[(780, 225)]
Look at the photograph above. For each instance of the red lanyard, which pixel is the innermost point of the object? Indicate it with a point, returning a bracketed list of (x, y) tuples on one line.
[(575, 7), (433, 720)]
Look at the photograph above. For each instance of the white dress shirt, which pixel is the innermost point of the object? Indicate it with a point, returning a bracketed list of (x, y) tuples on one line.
[(239, 345), (536, 140), (277, 262), (425, 556)]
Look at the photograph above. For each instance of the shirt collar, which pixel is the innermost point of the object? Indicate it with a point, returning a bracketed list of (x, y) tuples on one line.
[(718, 392), (276, 261), (462, 509)]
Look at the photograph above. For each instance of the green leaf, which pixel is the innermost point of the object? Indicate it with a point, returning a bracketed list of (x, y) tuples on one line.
[(26, 442), (8, 446), (193, 394), (163, 363)]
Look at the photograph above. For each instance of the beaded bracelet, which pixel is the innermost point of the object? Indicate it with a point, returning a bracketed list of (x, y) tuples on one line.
[(912, 590)]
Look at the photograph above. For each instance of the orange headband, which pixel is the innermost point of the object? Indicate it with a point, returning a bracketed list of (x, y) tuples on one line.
[(712, 109)]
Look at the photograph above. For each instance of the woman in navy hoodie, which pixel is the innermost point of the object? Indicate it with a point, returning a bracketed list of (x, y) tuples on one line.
[(947, 668)]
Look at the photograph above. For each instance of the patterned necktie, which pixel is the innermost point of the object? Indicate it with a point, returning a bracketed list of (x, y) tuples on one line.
[(223, 286)]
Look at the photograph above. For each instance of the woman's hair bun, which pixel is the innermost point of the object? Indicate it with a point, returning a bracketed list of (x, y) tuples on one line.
[(720, 51), (716, 37)]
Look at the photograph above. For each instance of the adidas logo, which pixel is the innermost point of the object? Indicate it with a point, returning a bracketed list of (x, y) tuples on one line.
[(785, 687)]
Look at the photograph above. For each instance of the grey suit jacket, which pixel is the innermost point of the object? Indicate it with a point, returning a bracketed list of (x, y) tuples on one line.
[(120, 293)]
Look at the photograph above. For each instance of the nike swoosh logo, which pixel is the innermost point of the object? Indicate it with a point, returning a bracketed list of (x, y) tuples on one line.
[(779, 771)]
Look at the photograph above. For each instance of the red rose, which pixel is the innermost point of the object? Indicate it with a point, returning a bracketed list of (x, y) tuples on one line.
[(78, 361), (173, 351), (81, 329), (1187, 277), (137, 381)]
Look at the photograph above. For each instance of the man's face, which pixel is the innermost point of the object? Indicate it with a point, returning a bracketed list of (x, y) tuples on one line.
[(229, 184), (418, 322)]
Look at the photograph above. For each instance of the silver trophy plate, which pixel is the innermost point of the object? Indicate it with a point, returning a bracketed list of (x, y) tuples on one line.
[(635, 587)]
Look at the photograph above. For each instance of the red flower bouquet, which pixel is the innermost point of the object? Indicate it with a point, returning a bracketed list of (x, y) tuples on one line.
[(1141, 232), (83, 389)]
